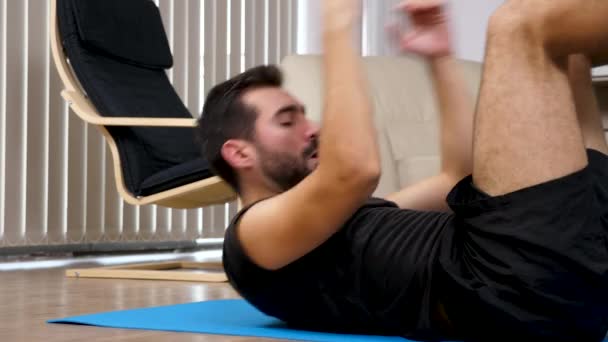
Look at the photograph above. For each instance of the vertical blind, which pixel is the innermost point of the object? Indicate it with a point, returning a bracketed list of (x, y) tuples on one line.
[(56, 175), (370, 35), (376, 15)]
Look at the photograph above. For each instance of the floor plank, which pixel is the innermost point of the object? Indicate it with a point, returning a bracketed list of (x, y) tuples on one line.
[(30, 298)]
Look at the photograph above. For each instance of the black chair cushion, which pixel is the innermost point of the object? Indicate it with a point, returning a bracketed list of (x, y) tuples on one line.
[(175, 176), (118, 88), (131, 30)]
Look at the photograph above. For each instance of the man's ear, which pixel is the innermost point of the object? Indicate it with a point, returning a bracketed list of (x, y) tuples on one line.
[(238, 153)]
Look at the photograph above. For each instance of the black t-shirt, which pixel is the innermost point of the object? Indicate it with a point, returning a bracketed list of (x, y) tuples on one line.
[(372, 276)]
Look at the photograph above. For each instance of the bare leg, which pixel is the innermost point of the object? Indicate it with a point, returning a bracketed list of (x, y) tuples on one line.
[(526, 128), (586, 103)]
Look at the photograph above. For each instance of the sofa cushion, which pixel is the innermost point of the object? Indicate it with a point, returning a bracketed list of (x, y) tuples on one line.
[(406, 111)]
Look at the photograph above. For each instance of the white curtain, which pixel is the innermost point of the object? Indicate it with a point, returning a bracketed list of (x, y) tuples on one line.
[(56, 176)]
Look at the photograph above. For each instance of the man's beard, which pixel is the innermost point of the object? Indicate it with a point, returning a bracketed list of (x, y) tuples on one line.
[(284, 169)]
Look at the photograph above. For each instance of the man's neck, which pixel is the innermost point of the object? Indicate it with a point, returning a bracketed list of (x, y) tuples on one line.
[(254, 195)]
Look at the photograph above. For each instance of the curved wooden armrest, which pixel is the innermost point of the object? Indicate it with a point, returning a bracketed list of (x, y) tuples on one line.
[(83, 108)]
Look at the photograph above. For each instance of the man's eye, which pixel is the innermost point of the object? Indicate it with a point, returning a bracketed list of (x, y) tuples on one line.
[(286, 123)]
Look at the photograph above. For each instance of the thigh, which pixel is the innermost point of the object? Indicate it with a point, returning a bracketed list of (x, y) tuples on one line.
[(526, 128)]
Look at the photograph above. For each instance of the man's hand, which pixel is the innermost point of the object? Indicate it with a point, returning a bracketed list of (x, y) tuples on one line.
[(340, 14), (430, 38), (429, 33)]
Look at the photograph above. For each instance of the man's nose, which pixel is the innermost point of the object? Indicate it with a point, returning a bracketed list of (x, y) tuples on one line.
[(313, 130)]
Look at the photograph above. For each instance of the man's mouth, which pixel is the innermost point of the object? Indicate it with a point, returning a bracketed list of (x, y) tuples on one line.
[(312, 151)]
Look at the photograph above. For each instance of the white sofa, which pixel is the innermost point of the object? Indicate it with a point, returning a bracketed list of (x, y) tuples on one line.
[(406, 110)]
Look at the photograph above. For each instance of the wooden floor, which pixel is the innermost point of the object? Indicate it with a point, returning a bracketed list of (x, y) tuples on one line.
[(29, 298)]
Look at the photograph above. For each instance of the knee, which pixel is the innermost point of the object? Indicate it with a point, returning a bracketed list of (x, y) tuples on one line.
[(520, 20)]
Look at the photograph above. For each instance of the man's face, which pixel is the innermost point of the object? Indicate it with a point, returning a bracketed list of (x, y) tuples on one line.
[(286, 142)]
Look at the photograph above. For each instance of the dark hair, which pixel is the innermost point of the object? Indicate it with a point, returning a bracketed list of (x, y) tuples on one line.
[(226, 117)]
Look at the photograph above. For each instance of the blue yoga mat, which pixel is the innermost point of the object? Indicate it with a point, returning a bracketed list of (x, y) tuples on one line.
[(224, 317)]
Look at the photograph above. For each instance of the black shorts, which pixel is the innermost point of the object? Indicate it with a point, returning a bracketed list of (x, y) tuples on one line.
[(532, 264)]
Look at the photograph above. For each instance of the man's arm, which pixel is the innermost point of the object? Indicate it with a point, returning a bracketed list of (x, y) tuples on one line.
[(430, 38), (284, 228)]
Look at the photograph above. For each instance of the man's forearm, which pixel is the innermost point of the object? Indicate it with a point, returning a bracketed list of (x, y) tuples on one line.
[(348, 140), (456, 118)]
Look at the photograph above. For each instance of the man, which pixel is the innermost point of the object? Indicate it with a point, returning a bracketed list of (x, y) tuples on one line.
[(522, 249)]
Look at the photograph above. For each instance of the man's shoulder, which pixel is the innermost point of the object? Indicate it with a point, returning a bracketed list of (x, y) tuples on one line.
[(370, 203), (373, 202), (237, 217)]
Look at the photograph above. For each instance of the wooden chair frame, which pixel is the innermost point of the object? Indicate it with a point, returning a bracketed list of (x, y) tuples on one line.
[(194, 195), (154, 271)]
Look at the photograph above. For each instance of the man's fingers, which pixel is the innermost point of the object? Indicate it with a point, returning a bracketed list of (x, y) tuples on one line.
[(400, 38), (407, 40), (417, 6), (423, 12), (393, 31)]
